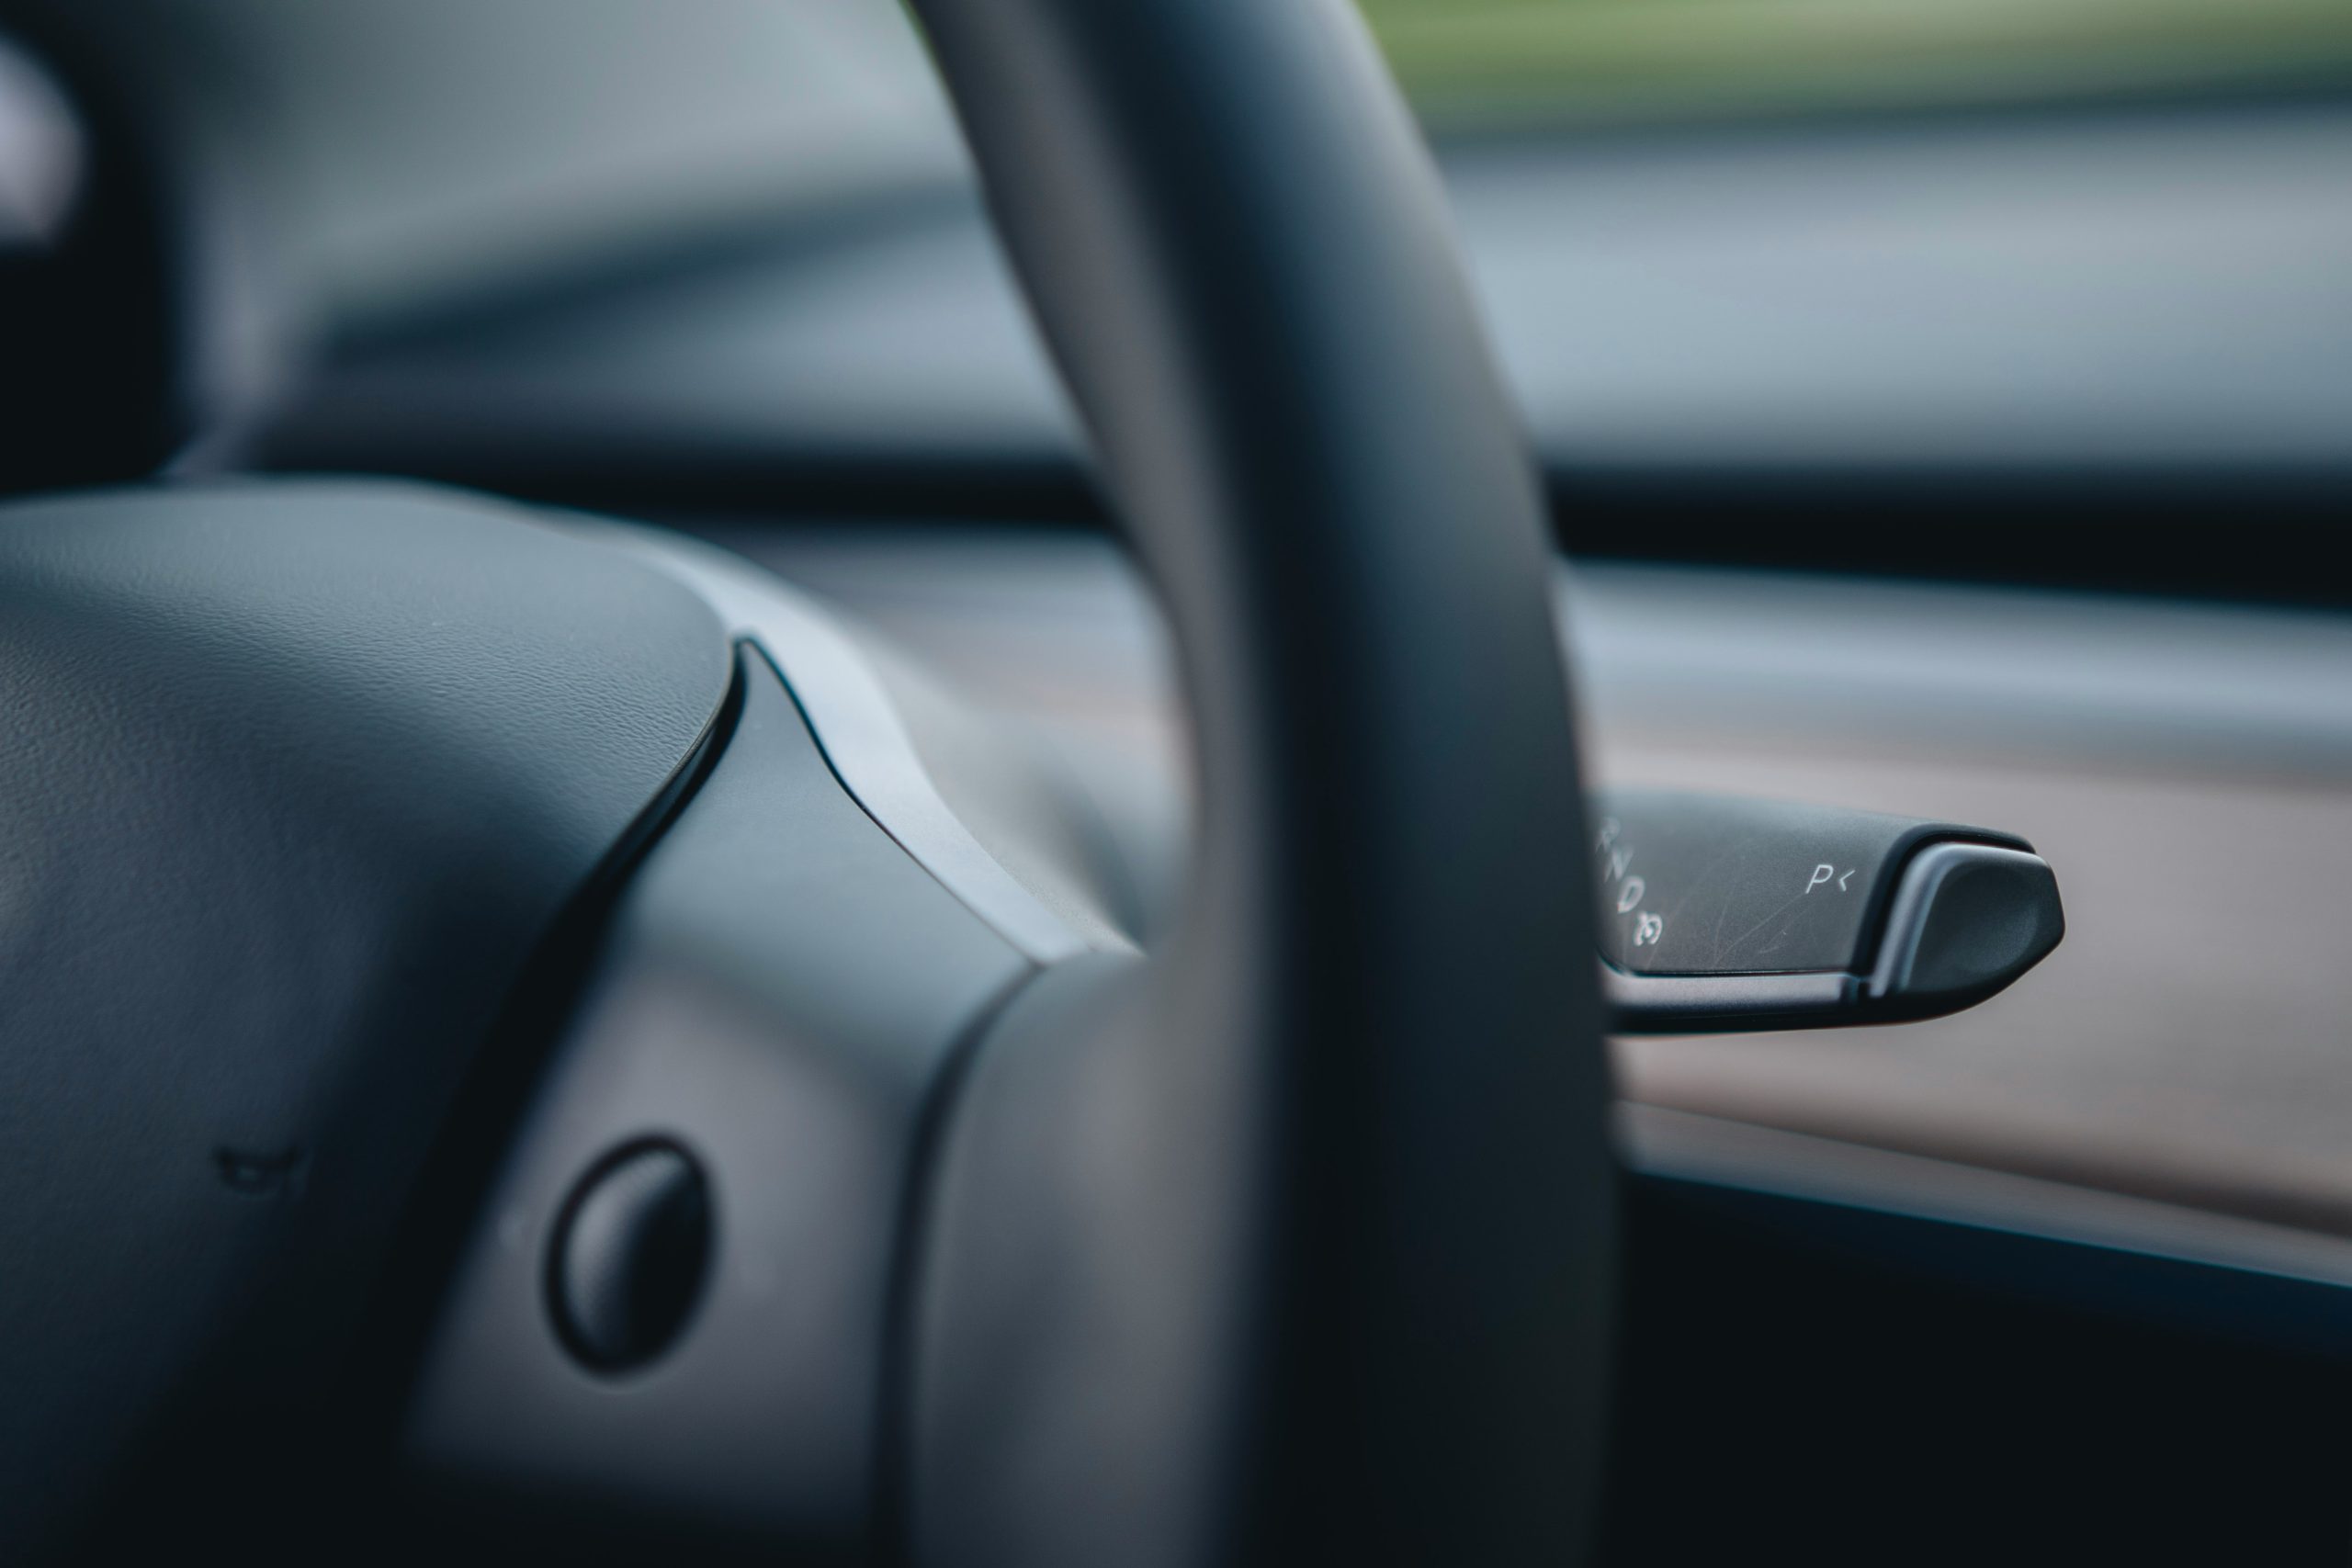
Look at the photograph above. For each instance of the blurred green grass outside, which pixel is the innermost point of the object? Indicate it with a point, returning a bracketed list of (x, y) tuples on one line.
[(1465, 61)]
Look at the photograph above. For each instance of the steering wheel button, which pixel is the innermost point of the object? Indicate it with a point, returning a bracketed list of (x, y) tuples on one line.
[(630, 1255)]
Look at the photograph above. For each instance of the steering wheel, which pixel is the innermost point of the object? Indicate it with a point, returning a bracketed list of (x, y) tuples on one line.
[(477, 977)]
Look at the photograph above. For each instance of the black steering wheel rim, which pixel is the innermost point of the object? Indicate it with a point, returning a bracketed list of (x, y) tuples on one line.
[(1343, 1282)]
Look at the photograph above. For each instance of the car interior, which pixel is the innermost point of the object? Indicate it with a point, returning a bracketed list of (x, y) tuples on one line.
[(1028, 782)]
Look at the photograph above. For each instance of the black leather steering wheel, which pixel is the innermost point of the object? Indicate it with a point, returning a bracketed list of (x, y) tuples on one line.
[(382, 867), (1374, 1309)]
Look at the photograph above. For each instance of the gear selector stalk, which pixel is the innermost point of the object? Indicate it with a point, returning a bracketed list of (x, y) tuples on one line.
[(1721, 914)]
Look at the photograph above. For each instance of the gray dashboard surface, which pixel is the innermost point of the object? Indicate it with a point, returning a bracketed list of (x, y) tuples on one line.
[(2153, 288), (2186, 769)]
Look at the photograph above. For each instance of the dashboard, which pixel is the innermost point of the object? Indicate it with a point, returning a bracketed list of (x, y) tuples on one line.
[(2176, 1078)]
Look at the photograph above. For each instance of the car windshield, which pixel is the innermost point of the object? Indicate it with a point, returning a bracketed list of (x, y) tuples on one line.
[(1765, 276)]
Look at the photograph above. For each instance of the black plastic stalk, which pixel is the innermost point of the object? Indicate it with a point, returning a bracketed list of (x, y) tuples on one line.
[(1720, 914)]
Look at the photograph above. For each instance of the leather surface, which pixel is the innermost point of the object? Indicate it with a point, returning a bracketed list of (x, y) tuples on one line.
[(1308, 1251), (293, 778)]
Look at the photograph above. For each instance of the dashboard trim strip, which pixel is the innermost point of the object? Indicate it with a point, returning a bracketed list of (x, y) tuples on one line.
[(1684, 1145)]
